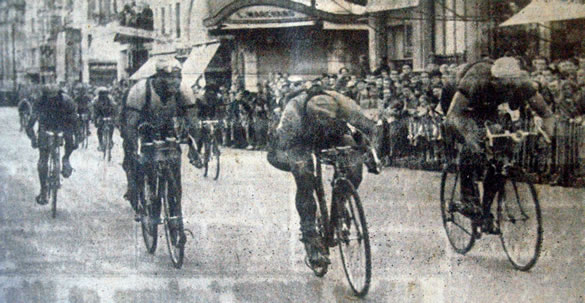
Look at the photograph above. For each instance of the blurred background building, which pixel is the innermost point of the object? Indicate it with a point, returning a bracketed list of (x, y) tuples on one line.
[(101, 41)]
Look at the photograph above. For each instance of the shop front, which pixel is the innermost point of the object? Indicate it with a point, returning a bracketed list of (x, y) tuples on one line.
[(297, 40)]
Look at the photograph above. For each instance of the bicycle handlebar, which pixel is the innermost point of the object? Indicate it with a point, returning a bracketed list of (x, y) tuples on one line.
[(517, 136)]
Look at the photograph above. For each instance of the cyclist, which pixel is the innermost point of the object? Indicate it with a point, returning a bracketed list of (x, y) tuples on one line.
[(207, 103), (483, 86), (83, 101), (316, 119), (103, 107), (25, 108), (158, 100), (55, 111)]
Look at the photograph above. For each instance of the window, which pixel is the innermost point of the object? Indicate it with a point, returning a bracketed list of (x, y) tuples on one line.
[(450, 37), (400, 41), (178, 19), (163, 20), (171, 28)]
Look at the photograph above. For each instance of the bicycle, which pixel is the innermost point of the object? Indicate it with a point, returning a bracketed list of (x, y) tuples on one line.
[(85, 129), (210, 146), (516, 196), (53, 178), (344, 224), (24, 118), (107, 129), (157, 185)]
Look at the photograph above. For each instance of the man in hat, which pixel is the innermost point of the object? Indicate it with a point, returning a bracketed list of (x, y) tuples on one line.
[(482, 88)]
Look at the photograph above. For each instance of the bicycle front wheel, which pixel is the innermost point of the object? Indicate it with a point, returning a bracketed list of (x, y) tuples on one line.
[(353, 238), (173, 221), (147, 203), (520, 222), (458, 227), (215, 153), (53, 182)]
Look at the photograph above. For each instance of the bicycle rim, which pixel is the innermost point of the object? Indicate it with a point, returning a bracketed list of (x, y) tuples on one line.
[(206, 158), (353, 238), (109, 146), (216, 154), (322, 219), (148, 216), (458, 227), (520, 221), (53, 185), (173, 233)]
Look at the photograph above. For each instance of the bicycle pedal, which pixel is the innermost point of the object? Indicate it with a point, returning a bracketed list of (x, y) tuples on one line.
[(189, 232)]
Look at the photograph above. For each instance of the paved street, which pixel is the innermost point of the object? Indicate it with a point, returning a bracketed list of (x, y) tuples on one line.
[(245, 246)]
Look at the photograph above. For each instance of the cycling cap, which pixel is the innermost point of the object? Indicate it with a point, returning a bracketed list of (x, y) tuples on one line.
[(507, 67)]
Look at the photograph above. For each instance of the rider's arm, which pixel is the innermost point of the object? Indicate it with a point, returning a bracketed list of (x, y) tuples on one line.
[(459, 123), (538, 104)]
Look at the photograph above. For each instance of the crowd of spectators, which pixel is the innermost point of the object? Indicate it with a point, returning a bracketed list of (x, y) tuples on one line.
[(410, 106)]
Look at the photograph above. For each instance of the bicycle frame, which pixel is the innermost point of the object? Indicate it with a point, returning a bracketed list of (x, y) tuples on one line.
[(336, 157)]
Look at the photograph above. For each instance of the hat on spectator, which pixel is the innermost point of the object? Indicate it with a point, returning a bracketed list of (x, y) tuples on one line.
[(507, 67), (101, 90), (295, 79)]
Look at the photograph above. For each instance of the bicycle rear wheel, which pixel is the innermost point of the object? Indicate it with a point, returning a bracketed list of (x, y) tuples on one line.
[(520, 222), (353, 238), (173, 221), (459, 228), (147, 201)]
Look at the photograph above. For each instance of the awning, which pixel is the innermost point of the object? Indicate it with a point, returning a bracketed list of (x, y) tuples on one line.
[(539, 11), (375, 6), (149, 67), (125, 34), (195, 65)]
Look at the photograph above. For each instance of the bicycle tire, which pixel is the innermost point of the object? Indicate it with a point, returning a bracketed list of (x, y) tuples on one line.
[(53, 182), (148, 215), (206, 157), (352, 215), (509, 214), (459, 228), (173, 236), (216, 154)]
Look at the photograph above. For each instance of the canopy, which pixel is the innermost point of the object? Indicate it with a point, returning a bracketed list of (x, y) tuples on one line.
[(539, 11), (195, 65), (375, 6), (149, 67)]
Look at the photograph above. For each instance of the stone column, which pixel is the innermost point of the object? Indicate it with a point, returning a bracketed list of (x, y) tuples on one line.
[(422, 34), (378, 47), (250, 66), (544, 32), (477, 32)]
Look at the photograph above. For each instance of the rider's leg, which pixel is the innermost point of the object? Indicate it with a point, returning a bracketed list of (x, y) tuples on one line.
[(100, 133), (491, 185), (42, 168), (306, 207), (467, 169), (70, 146)]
